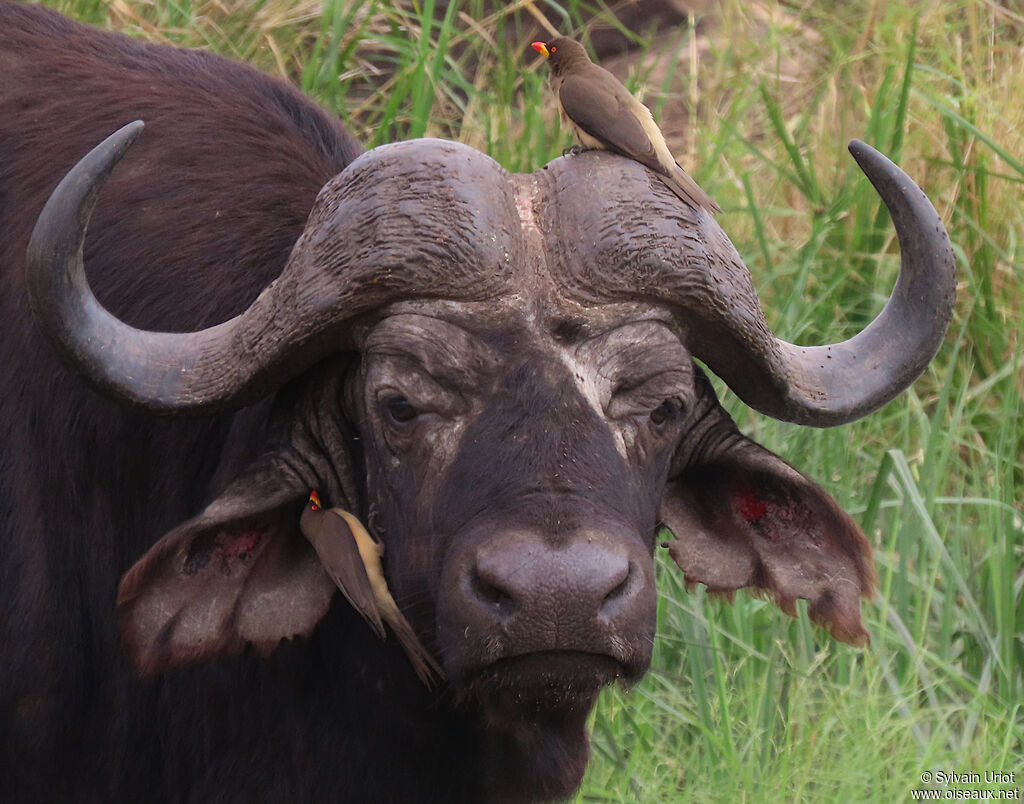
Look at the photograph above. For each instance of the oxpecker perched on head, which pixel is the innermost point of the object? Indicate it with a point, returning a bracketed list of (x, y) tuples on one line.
[(603, 114)]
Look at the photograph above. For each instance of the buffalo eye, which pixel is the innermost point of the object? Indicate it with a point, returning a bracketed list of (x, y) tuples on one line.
[(662, 413), (400, 410)]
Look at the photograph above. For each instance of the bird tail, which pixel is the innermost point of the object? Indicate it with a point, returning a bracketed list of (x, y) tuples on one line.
[(425, 665), (680, 183)]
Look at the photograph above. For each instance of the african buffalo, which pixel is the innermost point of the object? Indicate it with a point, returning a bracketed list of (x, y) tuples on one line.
[(493, 372)]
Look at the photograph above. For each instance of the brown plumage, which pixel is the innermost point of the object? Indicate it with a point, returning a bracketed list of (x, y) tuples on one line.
[(352, 557), (603, 114)]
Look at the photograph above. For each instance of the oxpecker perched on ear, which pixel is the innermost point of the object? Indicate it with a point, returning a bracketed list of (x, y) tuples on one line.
[(352, 557), (603, 114)]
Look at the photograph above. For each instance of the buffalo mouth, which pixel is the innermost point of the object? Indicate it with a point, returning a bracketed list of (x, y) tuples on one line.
[(533, 708), (542, 682)]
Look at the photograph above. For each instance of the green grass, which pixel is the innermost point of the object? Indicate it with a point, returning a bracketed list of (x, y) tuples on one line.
[(743, 703)]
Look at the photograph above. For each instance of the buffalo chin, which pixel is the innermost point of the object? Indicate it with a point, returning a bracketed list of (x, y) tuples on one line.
[(533, 711)]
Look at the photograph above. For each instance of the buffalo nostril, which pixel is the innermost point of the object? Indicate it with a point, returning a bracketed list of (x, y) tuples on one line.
[(621, 592), (493, 594)]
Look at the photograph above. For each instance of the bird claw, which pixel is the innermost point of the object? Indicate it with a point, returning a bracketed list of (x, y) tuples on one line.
[(575, 150)]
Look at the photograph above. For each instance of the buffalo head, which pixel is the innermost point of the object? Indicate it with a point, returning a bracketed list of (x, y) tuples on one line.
[(496, 373)]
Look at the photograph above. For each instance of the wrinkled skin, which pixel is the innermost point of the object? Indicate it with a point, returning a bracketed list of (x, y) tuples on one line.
[(486, 427), (499, 439), (473, 426)]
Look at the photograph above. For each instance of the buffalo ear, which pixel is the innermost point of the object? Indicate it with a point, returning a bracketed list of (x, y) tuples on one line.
[(747, 519), (239, 573)]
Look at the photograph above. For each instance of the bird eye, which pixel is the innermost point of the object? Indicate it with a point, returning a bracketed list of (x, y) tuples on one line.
[(554, 50), (400, 409)]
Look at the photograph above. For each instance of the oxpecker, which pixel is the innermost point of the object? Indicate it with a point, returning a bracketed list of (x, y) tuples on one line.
[(352, 557), (603, 114)]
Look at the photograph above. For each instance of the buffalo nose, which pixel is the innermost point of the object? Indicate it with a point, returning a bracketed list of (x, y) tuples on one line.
[(520, 577), (511, 592)]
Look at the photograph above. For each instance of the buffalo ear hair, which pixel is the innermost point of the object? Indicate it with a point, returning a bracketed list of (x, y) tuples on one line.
[(240, 573), (747, 519)]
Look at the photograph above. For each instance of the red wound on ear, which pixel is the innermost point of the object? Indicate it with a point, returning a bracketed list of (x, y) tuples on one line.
[(747, 503), (754, 522), (226, 547)]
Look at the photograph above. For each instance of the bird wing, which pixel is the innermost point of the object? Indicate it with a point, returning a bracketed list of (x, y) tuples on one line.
[(372, 551), (335, 544), (352, 559), (680, 183), (606, 117), (611, 116)]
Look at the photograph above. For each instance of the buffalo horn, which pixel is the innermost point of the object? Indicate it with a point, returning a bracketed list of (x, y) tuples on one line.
[(302, 315), (828, 385), (162, 371)]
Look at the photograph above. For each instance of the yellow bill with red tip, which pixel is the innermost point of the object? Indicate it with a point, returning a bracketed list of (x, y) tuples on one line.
[(542, 48)]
